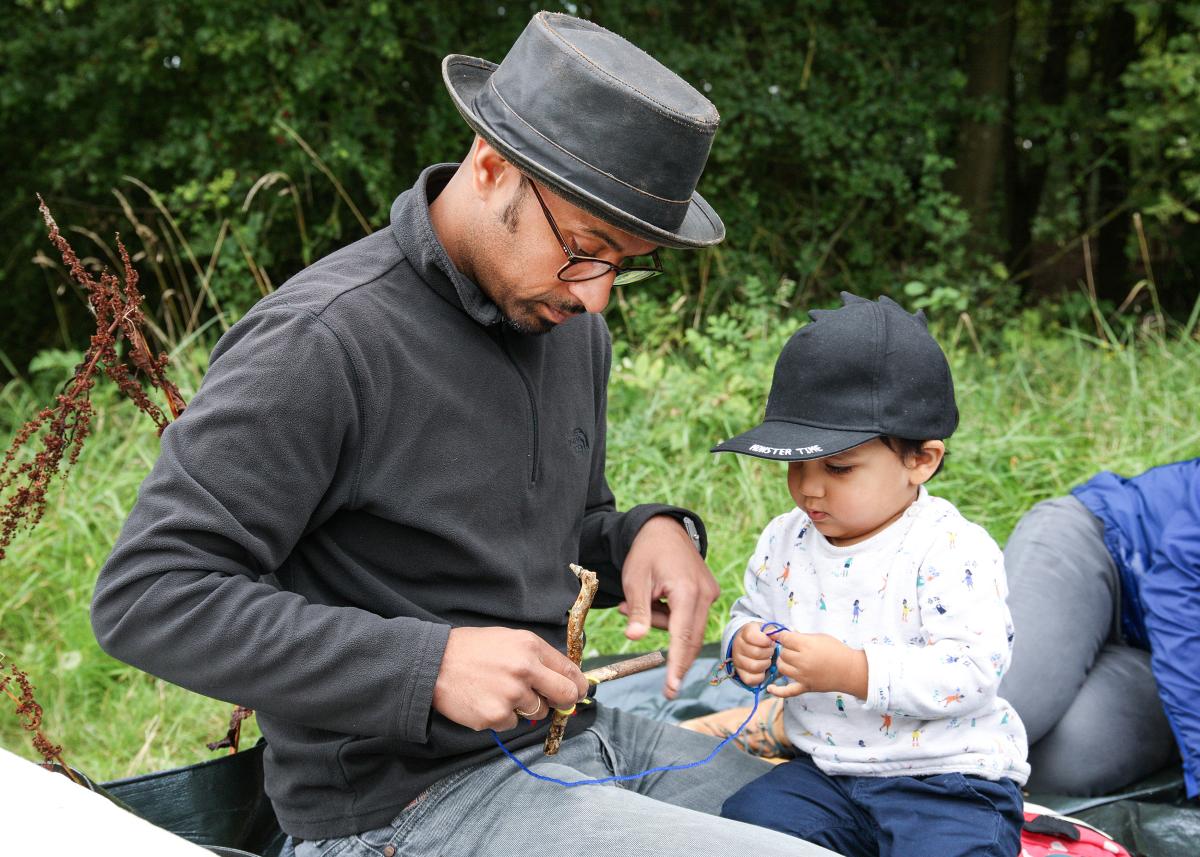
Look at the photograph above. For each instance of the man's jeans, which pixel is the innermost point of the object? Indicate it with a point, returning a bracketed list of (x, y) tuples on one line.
[(498, 809)]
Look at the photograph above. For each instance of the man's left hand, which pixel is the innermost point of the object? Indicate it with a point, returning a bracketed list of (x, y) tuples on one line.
[(668, 585)]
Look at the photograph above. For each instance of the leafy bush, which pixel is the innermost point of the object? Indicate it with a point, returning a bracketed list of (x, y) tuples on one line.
[(238, 141)]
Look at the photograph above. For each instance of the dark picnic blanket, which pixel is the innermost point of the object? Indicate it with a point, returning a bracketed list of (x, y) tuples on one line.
[(221, 802)]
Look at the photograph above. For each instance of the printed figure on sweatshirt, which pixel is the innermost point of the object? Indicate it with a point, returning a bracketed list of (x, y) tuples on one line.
[(783, 576), (902, 676), (957, 696), (761, 570)]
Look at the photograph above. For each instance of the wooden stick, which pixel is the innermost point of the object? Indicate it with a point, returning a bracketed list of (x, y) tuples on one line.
[(630, 666), (588, 583)]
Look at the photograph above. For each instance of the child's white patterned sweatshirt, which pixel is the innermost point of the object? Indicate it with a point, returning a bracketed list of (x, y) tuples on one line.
[(925, 600)]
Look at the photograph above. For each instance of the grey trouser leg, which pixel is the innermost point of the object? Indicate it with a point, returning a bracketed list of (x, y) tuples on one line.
[(1113, 734), (1089, 704), (497, 809), (1062, 592)]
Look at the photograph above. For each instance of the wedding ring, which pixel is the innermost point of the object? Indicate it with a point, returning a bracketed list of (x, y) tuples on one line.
[(528, 715)]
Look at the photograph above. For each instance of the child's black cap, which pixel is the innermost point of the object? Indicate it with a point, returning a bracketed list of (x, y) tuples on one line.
[(867, 369)]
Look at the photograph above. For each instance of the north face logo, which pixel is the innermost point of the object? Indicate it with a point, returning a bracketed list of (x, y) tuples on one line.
[(578, 441)]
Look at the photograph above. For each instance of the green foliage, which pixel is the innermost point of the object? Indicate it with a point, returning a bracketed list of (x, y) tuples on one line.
[(192, 100), (1106, 133), (233, 142), (838, 122), (1160, 118)]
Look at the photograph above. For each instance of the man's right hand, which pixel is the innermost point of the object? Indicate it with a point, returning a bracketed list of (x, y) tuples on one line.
[(487, 674), (752, 652)]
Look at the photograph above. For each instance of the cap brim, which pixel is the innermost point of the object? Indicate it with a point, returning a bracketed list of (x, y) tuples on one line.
[(465, 76), (786, 441)]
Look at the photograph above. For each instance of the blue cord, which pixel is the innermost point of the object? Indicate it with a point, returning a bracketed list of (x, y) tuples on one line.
[(772, 674), (623, 777)]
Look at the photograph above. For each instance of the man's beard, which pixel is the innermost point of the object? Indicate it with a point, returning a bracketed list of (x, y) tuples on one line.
[(536, 326), (530, 322), (520, 314)]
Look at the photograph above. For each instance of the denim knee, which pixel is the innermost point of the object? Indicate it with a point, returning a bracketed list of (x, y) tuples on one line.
[(753, 803)]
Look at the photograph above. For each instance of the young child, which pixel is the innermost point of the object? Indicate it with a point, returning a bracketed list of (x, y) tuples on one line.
[(898, 633)]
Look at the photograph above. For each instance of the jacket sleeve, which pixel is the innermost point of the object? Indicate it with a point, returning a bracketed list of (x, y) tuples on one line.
[(1170, 594), (607, 533), (267, 449), (967, 627)]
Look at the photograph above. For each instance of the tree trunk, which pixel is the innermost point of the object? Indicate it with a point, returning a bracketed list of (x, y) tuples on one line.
[(1115, 50), (981, 135), (1026, 169)]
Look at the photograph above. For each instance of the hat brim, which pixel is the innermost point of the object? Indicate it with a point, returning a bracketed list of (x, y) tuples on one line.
[(779, 440), (465, 76)]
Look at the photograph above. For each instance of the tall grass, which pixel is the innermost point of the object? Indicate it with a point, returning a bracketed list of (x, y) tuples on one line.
[(1042, 409)]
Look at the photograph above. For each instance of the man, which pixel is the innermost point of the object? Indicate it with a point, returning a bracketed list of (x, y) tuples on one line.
[(361, 526)]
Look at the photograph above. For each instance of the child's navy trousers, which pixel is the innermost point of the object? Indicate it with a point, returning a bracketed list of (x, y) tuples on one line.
[(944, 815)]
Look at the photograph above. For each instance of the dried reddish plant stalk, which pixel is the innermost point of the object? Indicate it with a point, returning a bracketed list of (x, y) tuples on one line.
[(234, 736), (64, 426), (31, 712)]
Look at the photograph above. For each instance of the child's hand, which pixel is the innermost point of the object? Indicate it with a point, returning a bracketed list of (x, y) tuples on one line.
[(819, 663), (752, 651)]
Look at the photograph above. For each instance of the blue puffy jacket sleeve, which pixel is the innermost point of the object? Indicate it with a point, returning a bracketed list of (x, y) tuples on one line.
[(1170, 595)]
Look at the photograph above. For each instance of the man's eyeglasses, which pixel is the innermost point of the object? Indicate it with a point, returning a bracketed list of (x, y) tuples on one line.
[(578, 269)]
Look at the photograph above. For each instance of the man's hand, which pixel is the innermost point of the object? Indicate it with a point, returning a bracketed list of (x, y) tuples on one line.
[(819, 663), (752, 651), (668, 585), (489, 673)]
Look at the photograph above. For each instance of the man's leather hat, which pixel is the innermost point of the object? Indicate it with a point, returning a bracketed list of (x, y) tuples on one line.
[(600, 122)]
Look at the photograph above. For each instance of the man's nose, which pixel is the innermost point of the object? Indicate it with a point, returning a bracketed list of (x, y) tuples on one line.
[(593, 294)]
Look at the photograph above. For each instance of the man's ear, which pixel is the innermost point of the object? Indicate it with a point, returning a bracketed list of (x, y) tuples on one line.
[(488, 168), (925, 462)]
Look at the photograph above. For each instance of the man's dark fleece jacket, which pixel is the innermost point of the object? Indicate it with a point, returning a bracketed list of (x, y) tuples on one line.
[(373, 459)]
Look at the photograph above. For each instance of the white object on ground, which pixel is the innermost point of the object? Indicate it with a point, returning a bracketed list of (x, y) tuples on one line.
[(47, 814)]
